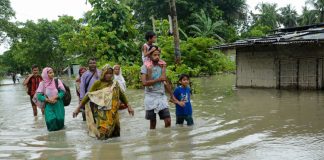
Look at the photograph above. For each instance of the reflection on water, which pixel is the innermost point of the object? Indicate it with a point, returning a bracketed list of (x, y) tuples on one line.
[(230, 123)]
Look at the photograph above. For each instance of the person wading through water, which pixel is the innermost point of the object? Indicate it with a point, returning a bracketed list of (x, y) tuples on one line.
[(87, 80), (155, 100), (32, 83)]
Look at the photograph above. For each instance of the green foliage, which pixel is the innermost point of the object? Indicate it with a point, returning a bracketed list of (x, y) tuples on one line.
[(3, 68), (318, 6), (132, 76), (268, 15), (109, 34), (288, 16), (232, 11), (38, 43), (6, 12), (257, 31), (205, 27), (162, 27), (196, 56), (308, 17)]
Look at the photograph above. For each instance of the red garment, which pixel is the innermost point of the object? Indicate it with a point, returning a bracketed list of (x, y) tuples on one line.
[(33, 84)]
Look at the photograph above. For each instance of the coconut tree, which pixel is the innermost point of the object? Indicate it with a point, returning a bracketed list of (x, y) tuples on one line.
[(288, 16), (308, 17), (319, 7), (267, 16)]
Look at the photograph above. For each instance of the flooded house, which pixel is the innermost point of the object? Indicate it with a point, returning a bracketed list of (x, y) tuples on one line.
[(289, 58)]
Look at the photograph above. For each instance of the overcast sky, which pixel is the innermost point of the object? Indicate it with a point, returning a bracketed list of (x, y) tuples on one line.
[(297, 4), (51, 9)]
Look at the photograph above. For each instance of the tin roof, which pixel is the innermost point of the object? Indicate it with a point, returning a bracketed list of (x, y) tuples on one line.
[(296, 35)]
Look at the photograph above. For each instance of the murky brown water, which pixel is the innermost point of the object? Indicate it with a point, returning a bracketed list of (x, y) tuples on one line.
[(229, 124)]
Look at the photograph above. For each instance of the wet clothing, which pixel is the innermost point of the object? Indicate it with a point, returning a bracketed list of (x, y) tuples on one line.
[(54, 113), (158, 87), (31, 101), (183, 113), (180, 120), (102, 113), (163, 114), (155, 97), (183, 94), (33, 84)]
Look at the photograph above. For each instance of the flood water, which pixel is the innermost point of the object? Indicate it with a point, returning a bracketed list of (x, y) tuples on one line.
[(230, 123)]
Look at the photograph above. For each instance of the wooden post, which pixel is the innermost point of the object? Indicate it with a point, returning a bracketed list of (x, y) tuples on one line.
[(153, 24), (170, 24), (175, 31)]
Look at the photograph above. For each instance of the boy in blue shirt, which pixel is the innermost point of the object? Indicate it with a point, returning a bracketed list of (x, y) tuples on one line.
[(182, 101)]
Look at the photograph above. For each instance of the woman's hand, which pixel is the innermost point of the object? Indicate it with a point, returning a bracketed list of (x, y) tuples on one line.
[(49, 100), (130, 110), (53, 99), (76, 111)]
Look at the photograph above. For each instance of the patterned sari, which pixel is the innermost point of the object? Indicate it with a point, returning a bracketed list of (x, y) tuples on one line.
[(102, 109)]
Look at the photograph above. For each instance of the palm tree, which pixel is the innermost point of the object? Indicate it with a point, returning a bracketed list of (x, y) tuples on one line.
[(268, 15), (205, 27), (308, 17), (319, 7), (288, 16)]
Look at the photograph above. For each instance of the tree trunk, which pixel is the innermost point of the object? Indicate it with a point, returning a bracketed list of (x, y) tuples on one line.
[(175, 31)]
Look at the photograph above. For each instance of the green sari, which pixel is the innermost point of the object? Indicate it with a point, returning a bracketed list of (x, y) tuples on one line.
[(54, 113)]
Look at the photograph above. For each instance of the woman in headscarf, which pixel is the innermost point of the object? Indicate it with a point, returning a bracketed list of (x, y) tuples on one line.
[(103, 117), (118, 76), (52, 96)]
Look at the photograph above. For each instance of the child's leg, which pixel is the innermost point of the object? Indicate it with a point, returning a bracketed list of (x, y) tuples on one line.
[(149, 72), (189, 120), (149, 65), (180, 120)]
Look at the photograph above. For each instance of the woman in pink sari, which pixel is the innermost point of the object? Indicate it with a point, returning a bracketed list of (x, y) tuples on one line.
[(48, 93)]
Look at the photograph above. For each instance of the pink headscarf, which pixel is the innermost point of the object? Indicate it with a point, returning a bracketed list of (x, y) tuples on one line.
[(47, 86)]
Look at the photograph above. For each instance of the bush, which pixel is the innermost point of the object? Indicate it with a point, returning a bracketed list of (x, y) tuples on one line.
[(197, 60), (132, 75), (196, 56)]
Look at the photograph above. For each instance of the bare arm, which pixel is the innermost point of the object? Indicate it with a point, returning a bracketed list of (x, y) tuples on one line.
[(146, 53), (27, 80), (146, 82)]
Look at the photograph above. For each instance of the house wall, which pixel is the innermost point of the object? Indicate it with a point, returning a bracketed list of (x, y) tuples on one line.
[(255, 68), (280, 66)]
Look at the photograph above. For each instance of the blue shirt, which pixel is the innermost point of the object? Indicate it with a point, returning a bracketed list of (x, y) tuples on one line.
[(183, 94)]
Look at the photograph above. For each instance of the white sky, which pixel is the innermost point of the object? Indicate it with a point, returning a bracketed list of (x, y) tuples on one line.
[(51, 9), (297, 4)]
